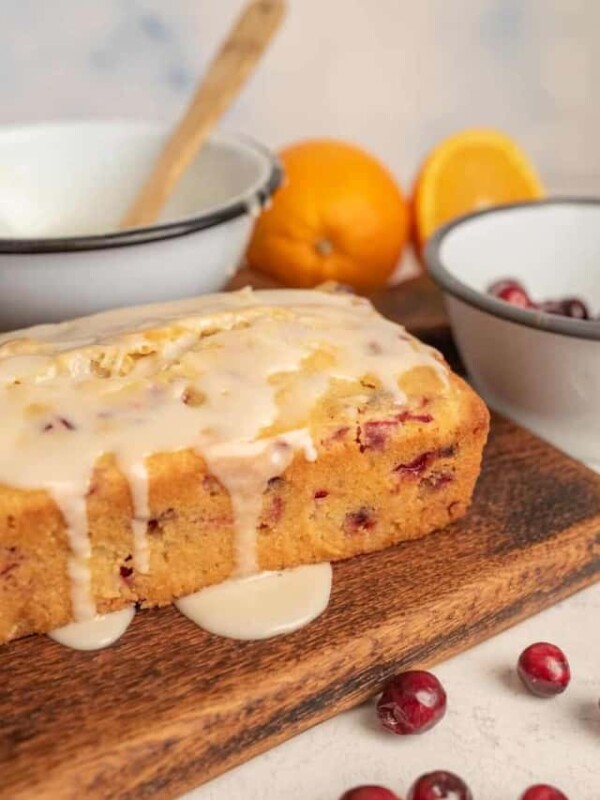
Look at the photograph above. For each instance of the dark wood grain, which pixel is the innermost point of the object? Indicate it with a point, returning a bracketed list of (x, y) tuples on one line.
[(417, 303), (170, 706)]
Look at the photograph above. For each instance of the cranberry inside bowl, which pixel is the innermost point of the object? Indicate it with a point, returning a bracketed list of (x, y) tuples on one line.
[(531, 344)]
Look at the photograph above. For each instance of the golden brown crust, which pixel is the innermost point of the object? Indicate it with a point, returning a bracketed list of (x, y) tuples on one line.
[(381, 477)]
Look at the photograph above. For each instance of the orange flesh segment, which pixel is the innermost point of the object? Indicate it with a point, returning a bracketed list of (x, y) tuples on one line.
[(468, 172)]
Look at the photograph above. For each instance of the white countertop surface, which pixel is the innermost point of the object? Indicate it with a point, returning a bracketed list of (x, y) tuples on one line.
[(495, 735)]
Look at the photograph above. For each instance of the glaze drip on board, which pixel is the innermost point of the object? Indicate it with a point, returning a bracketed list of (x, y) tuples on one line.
[(248, 608), (97, 633), (262, 605), (232, 376)]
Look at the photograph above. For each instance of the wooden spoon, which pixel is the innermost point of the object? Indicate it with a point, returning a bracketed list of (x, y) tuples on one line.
[(231, 67)]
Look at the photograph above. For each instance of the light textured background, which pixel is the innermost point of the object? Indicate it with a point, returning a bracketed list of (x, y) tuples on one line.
[(393, 75)]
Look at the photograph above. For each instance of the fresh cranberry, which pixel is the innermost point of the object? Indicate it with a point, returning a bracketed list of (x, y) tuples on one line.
[(369, 793), (498, 287), (552, 307), (511, 292), (544, 669), (516, 297), (412, 702), (541, 791), (440, 785), (575, 308)]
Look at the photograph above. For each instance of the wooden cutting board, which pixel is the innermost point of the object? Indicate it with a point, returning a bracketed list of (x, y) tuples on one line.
[(170, 706)]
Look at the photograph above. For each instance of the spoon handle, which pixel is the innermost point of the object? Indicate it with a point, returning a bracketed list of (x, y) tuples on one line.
[(227, 73)]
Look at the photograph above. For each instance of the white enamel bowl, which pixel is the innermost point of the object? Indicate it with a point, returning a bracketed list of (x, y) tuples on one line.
[(542, 370), (63, 188)]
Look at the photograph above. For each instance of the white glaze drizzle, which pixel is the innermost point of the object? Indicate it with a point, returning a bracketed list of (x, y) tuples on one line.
[(137, 476), (262, 605), (121, 382), (253, 607), (96, 633)]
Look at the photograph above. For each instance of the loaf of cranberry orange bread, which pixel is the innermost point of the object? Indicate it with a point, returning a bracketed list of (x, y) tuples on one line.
[(146, 453)]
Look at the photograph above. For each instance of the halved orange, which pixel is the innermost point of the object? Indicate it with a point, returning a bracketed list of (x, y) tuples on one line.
[(471, 170)]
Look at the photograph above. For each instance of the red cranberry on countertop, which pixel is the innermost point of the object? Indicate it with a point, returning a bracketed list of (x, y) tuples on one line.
[(541, 791), (544, 669), (369, 793), (511, 291), (412, 702), (440, 785)]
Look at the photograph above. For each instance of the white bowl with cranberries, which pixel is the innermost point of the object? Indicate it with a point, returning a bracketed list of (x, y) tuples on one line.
[(522, 288)]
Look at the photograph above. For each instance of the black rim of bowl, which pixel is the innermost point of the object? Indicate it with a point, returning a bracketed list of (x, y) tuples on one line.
[(258, 196), (579, 328)]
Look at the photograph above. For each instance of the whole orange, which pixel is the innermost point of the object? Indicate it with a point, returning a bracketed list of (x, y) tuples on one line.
[(339, 216)]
